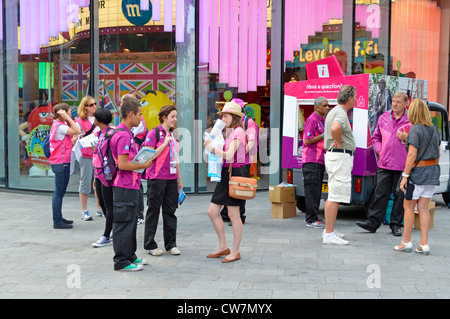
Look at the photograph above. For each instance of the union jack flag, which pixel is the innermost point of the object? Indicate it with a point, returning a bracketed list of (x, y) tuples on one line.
[(119, 79)]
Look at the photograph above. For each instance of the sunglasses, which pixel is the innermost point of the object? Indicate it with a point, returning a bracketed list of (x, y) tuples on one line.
[(92, 104)]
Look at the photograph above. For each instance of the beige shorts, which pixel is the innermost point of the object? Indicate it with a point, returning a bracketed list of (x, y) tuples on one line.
[(339, 169)]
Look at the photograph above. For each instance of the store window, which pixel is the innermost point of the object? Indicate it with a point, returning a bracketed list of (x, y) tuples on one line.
[(42, 36), (313, 31), (234, 63), (149, 51), (419, 38), (143, 48), (371, 43)]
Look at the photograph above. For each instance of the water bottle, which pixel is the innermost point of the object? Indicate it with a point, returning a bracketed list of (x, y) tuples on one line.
[(106, 169)]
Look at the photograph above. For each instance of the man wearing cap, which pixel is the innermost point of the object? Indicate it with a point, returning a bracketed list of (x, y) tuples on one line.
[(250, 128), (340, 145)]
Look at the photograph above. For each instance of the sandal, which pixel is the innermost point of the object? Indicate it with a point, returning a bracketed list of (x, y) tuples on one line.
[(407, 247)]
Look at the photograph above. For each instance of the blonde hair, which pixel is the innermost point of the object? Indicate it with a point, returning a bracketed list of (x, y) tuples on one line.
[(419, 113), (82, 112)]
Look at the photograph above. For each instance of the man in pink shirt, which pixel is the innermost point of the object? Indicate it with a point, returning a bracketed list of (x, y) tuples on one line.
[(313, 160), (388, 140), (126, 187)]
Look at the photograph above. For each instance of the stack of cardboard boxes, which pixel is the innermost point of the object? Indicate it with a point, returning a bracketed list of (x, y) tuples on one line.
[(283, 201), (432, 208)]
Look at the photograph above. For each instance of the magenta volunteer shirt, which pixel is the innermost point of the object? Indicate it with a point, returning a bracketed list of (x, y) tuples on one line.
[(240, 155), (123, 143), (314, 153), (160, 168)]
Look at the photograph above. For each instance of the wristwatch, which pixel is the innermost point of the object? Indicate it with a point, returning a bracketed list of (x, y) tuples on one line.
[(404, 175)]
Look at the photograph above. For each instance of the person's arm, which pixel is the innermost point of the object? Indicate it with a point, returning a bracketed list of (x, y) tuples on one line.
[(313, 140), (336, 134), (410, 159), (229, 154), (125, 165), (73, 129)]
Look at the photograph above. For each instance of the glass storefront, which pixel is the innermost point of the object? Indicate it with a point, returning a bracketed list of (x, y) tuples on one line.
[(197, 54)]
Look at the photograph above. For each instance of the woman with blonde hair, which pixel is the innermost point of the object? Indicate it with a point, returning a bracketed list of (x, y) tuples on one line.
[(85, 120), (421, 174)]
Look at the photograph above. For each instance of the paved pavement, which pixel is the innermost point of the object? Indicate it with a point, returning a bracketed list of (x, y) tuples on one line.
[(281, 258)]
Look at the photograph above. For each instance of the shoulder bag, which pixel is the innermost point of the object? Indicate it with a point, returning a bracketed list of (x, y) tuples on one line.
[(241, 187)]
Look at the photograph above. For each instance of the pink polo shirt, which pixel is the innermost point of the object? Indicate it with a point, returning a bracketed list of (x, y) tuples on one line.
[(160, 168), (239, 159), (315, 152)]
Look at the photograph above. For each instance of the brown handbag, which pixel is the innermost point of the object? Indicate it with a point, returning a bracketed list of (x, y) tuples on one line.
[(242, 187)]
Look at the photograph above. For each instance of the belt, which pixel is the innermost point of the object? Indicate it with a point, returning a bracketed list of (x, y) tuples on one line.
[(340, 150), (429, 162)]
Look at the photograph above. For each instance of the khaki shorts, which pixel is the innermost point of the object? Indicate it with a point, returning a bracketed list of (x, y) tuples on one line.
[(339, 169)]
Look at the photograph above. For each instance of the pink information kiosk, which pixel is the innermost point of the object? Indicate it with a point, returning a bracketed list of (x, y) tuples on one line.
[(374, 97)]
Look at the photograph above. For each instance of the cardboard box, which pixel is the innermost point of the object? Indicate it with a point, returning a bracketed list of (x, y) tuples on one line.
[(432, 208), (284, 210), (278, 194)]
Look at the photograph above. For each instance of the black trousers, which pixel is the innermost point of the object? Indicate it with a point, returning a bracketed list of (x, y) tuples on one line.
[(312, 179), (105, 198), (163, 194), (124, 226), (386, 185)]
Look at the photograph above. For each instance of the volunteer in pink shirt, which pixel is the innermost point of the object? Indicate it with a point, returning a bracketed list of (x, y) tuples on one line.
[(85, 120), (63, 128), (389, 143), (164, 180), (313, 160), (234, 154), (126, 189)]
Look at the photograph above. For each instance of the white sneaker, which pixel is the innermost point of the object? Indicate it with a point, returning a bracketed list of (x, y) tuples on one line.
[(85, 215), (333, 239), (174, 251), (340, 235), (155, 252)]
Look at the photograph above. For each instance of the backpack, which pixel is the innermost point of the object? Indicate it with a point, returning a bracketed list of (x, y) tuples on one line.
[(103, 161), (46, 145)]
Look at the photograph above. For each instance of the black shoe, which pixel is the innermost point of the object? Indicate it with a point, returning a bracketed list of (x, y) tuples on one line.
[(66, 221), (366, 226), (397, 231), (62, 225)]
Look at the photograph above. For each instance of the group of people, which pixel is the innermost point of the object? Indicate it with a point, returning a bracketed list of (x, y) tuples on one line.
[(122, 200), (407, 146), (404, 158)]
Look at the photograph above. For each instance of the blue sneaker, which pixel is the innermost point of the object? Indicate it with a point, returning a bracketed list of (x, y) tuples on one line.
[(103, 241), (85, 215)]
